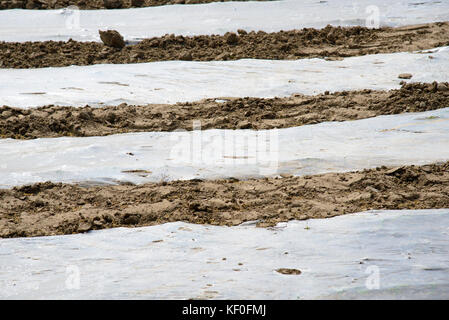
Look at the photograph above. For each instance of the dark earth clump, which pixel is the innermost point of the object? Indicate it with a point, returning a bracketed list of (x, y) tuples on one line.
[(112, 38)]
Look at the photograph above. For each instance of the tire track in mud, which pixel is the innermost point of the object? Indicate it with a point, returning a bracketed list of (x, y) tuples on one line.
[(329, 42), (230, 113), (50, 209)]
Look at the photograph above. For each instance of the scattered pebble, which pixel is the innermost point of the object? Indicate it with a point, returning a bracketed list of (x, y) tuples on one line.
[(288, 271), (405, 76)]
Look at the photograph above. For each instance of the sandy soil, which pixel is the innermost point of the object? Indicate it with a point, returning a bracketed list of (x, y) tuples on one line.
[(236, 113), (330, 43), (49, 209), (96, 4)]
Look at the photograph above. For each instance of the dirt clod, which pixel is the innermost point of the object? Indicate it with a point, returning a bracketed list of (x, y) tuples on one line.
[(289, 271), (231, 38), (112, 38), (405, 76)]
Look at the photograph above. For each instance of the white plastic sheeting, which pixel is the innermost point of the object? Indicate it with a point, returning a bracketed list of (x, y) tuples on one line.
[(414, 138), (215, 18), (378, 254), (176, 81)]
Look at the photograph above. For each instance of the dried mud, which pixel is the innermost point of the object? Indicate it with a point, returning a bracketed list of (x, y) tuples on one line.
[(97, 4), (329, 43), (233, 113), (51, 209)]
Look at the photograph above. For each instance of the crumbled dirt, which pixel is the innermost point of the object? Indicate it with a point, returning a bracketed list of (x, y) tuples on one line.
[(234, 113), (329, 43), (96, 4), (50, 209)]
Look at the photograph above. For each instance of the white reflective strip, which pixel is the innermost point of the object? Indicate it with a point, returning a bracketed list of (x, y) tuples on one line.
[(390, 254)]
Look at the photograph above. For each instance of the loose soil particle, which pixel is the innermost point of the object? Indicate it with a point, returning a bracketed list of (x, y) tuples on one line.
[(289, 271)]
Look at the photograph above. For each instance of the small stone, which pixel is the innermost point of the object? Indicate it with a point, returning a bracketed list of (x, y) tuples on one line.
[(405, 76), (186, 56), (223, 56), (241, 32), (84, 227), (394, 171), (289, 271), (371, 189), (112, 38), (98, 223), (244, 125), (137, 55)]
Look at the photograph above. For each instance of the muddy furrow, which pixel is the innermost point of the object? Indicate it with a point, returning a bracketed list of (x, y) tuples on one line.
[(232, 113), (330, 43), (50, 209)]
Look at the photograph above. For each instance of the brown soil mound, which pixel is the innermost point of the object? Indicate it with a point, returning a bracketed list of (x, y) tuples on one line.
[(330, 42), (96, 4), (49, 209), (236, 113)]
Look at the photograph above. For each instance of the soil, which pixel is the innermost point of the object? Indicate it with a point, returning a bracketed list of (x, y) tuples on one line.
[(232, 113), (96, 4), (50, 209), (288, 271), (329, 43)]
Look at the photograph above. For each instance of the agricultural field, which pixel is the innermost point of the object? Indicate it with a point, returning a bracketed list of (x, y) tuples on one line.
[(203, 149)]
